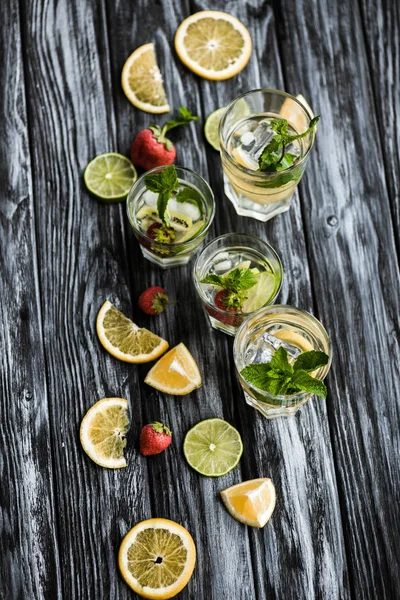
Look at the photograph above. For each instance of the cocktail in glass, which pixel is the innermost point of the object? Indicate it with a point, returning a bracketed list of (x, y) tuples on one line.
[(227, 259), (260, 336), (188, 221), (245, 130)]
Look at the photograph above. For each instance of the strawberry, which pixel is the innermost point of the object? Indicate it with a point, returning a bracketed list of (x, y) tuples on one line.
[(154, 438), (151, 148), (153, 300), (220, 302)]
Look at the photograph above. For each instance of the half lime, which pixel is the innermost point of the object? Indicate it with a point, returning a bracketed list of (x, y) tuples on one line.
[(110, 176)]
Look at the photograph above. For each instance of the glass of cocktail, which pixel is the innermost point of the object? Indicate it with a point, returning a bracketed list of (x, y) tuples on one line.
[(268, 331), (235, 275), (170, 228), (265, 140)]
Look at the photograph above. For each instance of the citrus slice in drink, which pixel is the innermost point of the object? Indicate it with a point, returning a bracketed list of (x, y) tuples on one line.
[(213, 447), (103, 430), (261, 293), (124, 340), (211, 127), (297, 119), (213, 44), (175, 373), (251, 502), (156, 558), (142, 81), (110, 176), (294, 338)]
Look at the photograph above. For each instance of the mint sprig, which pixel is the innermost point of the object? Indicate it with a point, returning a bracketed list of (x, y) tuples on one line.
[(274, 157), (236, 283), (280, 378), (160, 132), (164, 184)]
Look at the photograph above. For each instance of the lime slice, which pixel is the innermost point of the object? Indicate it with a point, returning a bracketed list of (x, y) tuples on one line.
[(194, 230), (213, 447), (259, 294), (110, 176), (211, 127)]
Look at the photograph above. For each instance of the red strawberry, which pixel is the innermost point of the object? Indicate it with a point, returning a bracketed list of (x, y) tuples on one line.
[(153, 300), (150, 150), (219, 303), (154, 438)]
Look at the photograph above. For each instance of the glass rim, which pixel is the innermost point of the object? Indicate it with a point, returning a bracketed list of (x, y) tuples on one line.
[(300, 311), (141, 232), (200, 291), (263, 174)]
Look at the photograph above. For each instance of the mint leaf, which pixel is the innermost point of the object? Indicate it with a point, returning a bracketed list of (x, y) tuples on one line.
[(153, 182), (185, 117), (241, 279), (280, 126), (214, 280), (309, 361), (162, 202), (279, 362), (311, 125), (169, 178), (190, 195), (282, 179), (304, 382)]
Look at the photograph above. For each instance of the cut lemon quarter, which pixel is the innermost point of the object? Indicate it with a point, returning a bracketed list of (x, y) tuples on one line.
[(156, 558), (142, 81), (251, 502), (103, 430), (213, 447), (110, 176), (213, 44), (175, 373), (125, 340)]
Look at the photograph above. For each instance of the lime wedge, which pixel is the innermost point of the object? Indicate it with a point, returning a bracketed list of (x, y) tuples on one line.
[(110, 176), (211, 127), (259, 294), (213, 447)]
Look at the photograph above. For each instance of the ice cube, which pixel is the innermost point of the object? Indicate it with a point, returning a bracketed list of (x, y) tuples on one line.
[(253, 143), (184, 208), (265, 348), (150, 198), (222, 262)]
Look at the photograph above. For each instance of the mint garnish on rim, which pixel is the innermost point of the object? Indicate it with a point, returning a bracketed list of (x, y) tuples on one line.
[(280, 378)]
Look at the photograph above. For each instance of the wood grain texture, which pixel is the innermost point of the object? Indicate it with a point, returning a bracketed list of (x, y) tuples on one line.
[(334, 533), (29, 565), (357, 289)]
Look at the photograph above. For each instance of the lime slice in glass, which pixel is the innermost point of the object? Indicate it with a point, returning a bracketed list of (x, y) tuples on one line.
[(110, 176), (258, 295), (213, 447), (211, 127)]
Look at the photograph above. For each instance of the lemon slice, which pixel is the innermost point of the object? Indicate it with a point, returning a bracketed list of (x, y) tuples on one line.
[(213, 447), (103, 431), (142, 81), (297, 119), (251, 502), (125, 340), (156, 558), (110, 176), (261, 293), (213, 44), (175, 373), (211, 127)]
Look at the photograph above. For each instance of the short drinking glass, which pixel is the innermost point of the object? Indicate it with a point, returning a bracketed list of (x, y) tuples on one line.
[(245, 130), (261, 335), (189, 221)]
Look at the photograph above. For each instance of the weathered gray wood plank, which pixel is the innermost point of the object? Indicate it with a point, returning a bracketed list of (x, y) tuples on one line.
[(29, 565), (381, 26), (347, 216), (82, 262)]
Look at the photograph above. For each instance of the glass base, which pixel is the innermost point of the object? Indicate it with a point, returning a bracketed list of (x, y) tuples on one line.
[(215, 324), (247, 208), (272, 412), (167, 262)]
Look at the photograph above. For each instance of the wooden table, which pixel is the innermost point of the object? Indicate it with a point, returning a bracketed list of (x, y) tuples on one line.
[(336, 528)]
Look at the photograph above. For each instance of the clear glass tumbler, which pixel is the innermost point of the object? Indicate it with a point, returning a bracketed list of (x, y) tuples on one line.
[(244, 132), (189, 223), (237, 251), (261, 335)]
